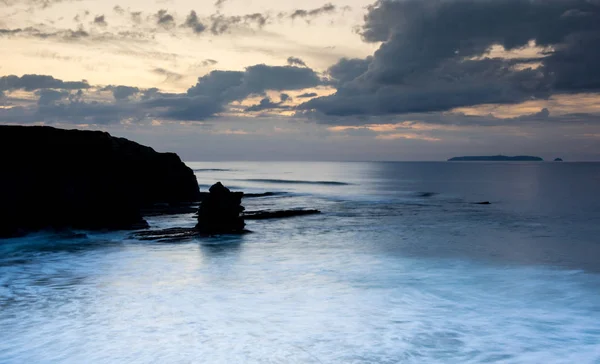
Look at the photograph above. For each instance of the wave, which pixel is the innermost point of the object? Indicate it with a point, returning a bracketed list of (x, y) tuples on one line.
[(287, 181), (212, 170), (426, 194), (264, 194)]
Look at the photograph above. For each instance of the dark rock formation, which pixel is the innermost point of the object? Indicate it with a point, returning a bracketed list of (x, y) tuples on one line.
[(277, 214), (558, 160), (161, 209), (496, 158), (54, 178), (482, 203), (220, 211)]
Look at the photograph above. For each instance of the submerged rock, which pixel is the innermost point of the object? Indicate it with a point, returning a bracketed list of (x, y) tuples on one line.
[(220, 211), (167, 235), (55, 178), (482, 203)]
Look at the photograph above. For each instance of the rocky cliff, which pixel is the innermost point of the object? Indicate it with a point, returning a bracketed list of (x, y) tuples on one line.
[(54, 178)]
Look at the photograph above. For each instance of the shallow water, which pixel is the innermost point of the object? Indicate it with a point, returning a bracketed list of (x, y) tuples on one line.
[(400, 267)]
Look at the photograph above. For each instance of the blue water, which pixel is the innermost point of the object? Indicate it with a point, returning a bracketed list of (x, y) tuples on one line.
[(401, 267)]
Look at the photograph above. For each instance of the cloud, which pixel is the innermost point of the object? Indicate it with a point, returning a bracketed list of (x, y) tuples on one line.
[(307, 95), (213, 93), (219, 3), (221, 24), (267, 104), (38, 82), (255, 80), (183, 107), (307, 14), (257, 18), (63, 34), (43, 4), (164, 19), (170, 75), (47, 97), (294, 61), (432, 56), (119, 10), (122, 93), (100, 20), (136, 17), (264, 104), (192, 22), (208, 62), (10, 31), (348, 69)]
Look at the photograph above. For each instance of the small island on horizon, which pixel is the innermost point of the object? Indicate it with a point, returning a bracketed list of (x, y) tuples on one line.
[(496, 158)]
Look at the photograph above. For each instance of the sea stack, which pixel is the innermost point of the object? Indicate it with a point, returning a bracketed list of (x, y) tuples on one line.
[(220, 211)]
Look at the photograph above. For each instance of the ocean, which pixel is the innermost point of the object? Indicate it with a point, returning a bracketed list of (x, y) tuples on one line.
[(402, 266)]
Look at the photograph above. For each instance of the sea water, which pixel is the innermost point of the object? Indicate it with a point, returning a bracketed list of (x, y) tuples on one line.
[(402, 266)]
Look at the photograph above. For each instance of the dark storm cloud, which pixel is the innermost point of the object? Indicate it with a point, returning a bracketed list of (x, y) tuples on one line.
[(38, 82), (164, 19), (100, 20), (295, 61), (311, 13), (430, 56), (347, 69), (192, 22)]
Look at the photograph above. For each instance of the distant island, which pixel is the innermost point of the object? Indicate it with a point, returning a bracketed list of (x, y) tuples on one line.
[(558, 160), (496, 158)]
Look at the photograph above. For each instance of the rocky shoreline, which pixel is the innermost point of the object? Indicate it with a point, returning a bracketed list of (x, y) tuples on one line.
[(56, 179), (60, 179)]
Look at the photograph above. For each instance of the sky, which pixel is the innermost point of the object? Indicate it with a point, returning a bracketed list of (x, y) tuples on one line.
[(350, 80)]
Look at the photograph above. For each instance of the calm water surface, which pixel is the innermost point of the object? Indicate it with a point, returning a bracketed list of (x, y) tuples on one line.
[(401, 267)]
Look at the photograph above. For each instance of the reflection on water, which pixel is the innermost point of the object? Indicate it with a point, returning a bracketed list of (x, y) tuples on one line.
[(384, 275)]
